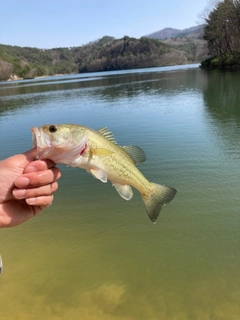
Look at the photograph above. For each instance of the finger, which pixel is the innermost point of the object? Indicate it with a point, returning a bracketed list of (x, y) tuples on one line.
[(21, 160), (30, 154), (39, 165), (35, 179), (35, 192), (42, 202)]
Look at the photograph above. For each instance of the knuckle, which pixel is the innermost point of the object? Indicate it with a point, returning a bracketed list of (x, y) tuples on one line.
[(56, 173), (40, 178), (44, 201), (44, 177), (54, 186)]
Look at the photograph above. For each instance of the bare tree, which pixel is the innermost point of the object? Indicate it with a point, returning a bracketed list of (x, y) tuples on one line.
[(203, 15), (6, 70)]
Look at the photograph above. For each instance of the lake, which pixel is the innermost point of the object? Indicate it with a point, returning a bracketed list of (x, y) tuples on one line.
[(93, 255)]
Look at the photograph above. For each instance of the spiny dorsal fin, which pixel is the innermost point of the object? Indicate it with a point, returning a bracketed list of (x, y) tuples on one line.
[(135, 153), (107, 134)]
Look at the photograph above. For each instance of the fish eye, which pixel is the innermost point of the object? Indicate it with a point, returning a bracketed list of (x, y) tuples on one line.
[(52, 128)]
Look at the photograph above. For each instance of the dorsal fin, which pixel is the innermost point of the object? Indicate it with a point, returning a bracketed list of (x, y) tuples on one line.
[(135, 153), (107, 134)]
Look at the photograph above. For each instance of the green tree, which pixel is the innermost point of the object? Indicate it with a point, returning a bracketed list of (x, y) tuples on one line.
[(222, 30)]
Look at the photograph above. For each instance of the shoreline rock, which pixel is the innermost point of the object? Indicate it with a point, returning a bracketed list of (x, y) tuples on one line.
[(14, 77)]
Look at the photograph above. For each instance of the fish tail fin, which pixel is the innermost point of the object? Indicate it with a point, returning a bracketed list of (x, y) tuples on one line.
[(157, 198)]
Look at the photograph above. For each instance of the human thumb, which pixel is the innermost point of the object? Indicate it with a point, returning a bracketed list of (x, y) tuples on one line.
[(30, 155)]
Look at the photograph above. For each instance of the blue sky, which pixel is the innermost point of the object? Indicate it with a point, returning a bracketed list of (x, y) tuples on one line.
[(69, 23)]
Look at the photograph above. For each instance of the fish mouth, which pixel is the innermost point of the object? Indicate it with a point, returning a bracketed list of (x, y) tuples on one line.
[(41, 142), (67, 151)]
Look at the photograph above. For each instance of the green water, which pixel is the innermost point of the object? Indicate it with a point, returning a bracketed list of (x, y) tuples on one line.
[(93, 255)]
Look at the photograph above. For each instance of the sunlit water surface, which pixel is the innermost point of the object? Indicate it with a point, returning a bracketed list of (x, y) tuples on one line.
[(93, 255)]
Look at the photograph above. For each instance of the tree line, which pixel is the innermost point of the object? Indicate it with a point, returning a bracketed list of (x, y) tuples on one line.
[(222, 33), (104, 54)]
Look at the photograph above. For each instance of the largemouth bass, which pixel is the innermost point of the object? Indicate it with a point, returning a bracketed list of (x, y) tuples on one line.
[(98, 153)]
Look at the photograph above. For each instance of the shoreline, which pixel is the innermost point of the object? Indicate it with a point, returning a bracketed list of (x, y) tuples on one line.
[(14, 77)]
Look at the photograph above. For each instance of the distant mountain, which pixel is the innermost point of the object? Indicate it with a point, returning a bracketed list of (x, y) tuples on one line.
[(189, 40), (169, 33), (193, 32), (164, 34)]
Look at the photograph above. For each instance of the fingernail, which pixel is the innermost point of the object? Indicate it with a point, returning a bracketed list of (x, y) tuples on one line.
[(19, 193), (31, 201), (22, 182)]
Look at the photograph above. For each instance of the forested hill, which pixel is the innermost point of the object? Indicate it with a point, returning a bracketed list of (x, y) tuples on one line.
[(105, 54)]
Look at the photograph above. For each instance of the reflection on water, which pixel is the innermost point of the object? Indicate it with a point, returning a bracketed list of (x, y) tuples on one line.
[(92, 255), (222, 97)]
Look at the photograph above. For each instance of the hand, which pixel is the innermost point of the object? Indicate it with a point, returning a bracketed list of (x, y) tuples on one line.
[(26, 187)]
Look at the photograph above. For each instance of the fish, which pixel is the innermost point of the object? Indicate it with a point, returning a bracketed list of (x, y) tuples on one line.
[(99, 154)]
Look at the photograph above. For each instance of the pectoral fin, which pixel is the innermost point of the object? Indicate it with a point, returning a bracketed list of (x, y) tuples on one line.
[(100, 152), (124, 191), (99, 174)]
